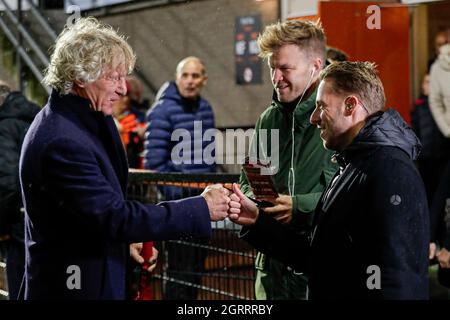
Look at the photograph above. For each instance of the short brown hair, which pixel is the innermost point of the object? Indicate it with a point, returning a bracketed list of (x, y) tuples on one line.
[(335, 54), (359, 78), (308, 35)]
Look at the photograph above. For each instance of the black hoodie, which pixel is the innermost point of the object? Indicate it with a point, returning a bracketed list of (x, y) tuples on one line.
[(16, 115)]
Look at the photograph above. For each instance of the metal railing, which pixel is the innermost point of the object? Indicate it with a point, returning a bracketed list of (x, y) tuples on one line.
[(27, 58), (42, 21), (41, 55)]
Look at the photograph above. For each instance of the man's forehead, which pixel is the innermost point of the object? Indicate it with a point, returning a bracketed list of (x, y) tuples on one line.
[(325, 89), (324, 86), (191, 66), (288, 53)]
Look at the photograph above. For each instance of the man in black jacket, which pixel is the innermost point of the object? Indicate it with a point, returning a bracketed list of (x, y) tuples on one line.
[(370, 231), (16, 115)]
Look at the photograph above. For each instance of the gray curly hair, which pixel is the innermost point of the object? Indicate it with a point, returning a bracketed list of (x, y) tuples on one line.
[(83, 52)]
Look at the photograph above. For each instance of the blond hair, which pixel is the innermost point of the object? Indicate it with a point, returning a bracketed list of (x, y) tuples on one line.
[(307, 35), (359, 78), (83, 52)]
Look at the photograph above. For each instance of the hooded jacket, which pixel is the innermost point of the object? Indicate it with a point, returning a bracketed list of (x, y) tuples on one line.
[(16, 115), (371, 228), (440, 90)]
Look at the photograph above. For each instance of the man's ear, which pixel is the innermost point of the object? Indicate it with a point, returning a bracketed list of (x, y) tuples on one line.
[(350, 104), (205, 80), (317, 65), (79, 83)]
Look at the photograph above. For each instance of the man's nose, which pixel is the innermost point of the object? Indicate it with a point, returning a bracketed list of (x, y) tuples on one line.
[(276, 75), (315, 117), (190, 79), (122, 86)]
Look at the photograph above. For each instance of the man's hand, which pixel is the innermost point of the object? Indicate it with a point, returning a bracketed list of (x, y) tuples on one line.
[(135, 253), (432, 251), (242, 210), (282, 211), (443, 257), (216, 197)]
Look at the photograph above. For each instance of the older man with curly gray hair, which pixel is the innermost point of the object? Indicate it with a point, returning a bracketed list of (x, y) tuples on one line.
[(73, 173)]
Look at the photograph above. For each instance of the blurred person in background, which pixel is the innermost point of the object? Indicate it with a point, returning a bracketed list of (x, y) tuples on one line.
[(335, 55), (180, 106), (131, 123), (441, 38), (435, 147), (16, 115)]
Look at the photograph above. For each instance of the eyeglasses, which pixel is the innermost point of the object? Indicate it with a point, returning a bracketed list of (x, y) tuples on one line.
[(114, 78)]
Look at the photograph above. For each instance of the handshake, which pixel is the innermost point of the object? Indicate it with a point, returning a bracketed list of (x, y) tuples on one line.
[(224, 203)]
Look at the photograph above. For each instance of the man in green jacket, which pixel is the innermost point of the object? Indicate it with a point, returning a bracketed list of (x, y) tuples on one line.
[(295, 51)]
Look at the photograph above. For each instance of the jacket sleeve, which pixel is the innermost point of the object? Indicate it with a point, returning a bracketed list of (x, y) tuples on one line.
[(437, 106), (74, 176), (303, 205), (11, 136), (397, 231), (158, 139), (279, 242)]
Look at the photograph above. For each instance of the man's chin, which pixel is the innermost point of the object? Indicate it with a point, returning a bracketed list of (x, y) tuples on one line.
[(107, 111), (284, 98)]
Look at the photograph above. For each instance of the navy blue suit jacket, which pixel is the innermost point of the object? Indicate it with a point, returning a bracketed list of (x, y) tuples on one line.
[(73, 173)]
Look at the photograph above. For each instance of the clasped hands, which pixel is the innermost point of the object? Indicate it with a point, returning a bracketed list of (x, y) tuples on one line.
[(223, 203)]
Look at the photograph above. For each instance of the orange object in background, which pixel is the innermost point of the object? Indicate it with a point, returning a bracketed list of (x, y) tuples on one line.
[(346, 28)]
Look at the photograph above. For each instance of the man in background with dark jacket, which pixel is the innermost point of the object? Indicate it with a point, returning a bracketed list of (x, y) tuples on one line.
[(180, 112), (371, 226), (16, 115), (435, 152)]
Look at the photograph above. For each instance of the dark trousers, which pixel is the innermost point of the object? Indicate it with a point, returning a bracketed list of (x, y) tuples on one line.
[(15, 266)]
